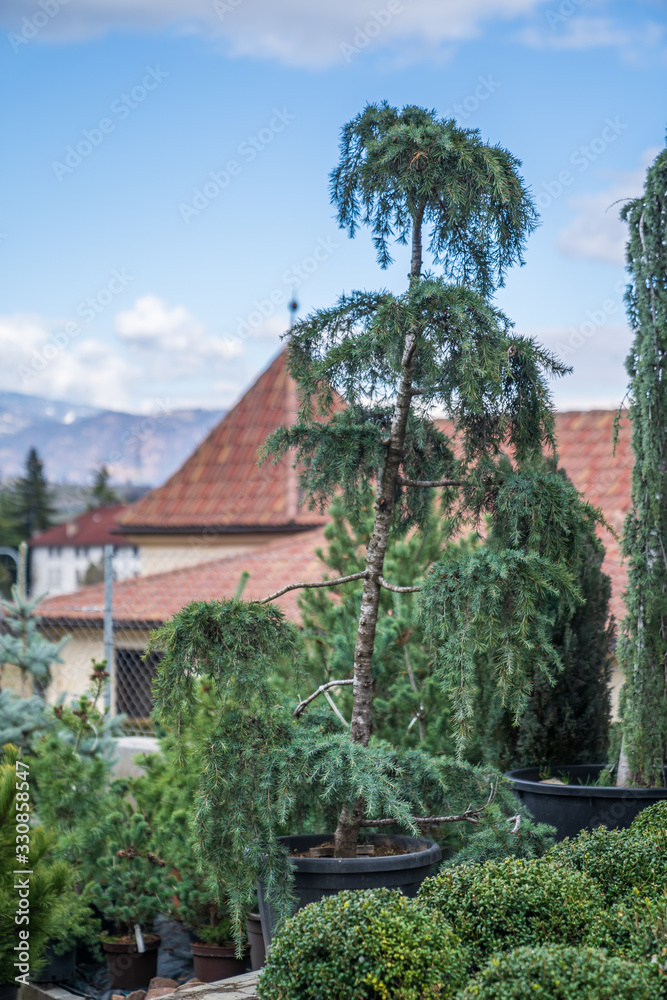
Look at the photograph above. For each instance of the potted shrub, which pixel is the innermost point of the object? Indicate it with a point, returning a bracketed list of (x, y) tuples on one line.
[(213, 948), (132, 888), (368, 371), (639, 779)]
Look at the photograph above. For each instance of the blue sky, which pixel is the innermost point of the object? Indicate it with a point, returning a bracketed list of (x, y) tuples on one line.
[(166, 176)]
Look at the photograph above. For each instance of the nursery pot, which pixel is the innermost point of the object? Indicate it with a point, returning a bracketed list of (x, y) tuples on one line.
[(213, 962), (9, 991), (574, 807), (59, 968), (128, 968), (256, 941), (319, 877)]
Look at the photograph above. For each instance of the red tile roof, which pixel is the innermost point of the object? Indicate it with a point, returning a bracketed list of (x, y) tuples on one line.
[(221, 485), (585, 451), (92, 528), (152, 599)]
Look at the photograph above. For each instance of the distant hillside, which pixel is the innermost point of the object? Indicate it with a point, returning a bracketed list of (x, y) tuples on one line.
[(74, 440)]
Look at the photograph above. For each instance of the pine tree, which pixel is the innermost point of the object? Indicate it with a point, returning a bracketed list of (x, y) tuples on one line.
[(100, 493), (368, 371), (31, 498), (23, 645), (643, 645)]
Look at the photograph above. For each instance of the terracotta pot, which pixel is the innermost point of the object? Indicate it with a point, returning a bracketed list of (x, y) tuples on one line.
[(256, 941), (128, 969), (213, 962)]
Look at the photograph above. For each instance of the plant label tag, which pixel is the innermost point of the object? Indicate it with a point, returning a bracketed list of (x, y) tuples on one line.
[(141, 947)]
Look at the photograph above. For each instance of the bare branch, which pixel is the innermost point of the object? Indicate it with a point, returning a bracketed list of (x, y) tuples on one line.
[(428, 484), (322, 583), (336, 709), (321, 689), (469, 816), (413, 684), (395, 589)]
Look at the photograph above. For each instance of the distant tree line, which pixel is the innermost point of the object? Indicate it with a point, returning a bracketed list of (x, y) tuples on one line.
[(27, 506)]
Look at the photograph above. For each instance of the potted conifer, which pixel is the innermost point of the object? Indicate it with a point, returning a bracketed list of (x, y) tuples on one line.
[(132, 888), (368, 372), (640, 778)]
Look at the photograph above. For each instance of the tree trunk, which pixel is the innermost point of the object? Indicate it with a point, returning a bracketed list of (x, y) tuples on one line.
[(347, 832)]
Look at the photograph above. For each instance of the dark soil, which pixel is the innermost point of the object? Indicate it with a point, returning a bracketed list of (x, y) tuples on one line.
[(381, 851)]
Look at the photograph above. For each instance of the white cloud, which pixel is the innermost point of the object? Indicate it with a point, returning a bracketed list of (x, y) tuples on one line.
[(293, 32), (150, 325), (596, 232), (39, 358), (595, 348)]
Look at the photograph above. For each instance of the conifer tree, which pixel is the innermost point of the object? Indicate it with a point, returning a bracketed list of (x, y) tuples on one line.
[(31, 497), (368, 371), (23, 645), (643, 645), (100, 493)]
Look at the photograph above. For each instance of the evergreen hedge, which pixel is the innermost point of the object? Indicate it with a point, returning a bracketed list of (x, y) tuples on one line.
[(501, 905), (555, 973), (367, 945)]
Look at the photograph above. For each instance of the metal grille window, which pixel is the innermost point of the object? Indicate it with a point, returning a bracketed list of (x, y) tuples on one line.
[(134, 677)]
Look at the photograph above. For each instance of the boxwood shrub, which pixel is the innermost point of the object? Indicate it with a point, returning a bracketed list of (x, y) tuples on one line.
[(635, 929), (553, 972), (501, 905), (620, 861), (651, 820), (364, 945)]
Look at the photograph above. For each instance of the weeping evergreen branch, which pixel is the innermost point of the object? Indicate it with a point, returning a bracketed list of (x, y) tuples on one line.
[(643, 644)]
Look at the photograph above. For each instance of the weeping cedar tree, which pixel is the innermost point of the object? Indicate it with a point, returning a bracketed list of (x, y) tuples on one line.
[(566, 722), (368, 371), (643, 644)]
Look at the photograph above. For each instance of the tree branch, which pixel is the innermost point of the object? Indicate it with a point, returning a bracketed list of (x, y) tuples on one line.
[(428, 483), (321, 689), (322, 583), (395, 589), (469, 816)]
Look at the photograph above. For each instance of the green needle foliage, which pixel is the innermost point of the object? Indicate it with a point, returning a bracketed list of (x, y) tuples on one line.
[(22, 644), (643, 645), (368, 371)]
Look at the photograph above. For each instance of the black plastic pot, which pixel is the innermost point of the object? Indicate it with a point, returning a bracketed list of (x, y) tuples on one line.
[(9, 991), (256, 941), (319, 877), (574, 807), (59, 968)]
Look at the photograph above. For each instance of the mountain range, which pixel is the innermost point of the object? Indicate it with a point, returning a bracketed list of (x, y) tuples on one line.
[(73, 441)]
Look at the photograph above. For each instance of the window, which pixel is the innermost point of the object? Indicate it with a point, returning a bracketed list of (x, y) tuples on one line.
[(55, 578), (134, 677)]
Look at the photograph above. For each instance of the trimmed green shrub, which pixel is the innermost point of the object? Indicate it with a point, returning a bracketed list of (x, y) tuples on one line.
[(556, 973), (502, 905), (651, 820), (364, 945), (636, 929), (620, 861)]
